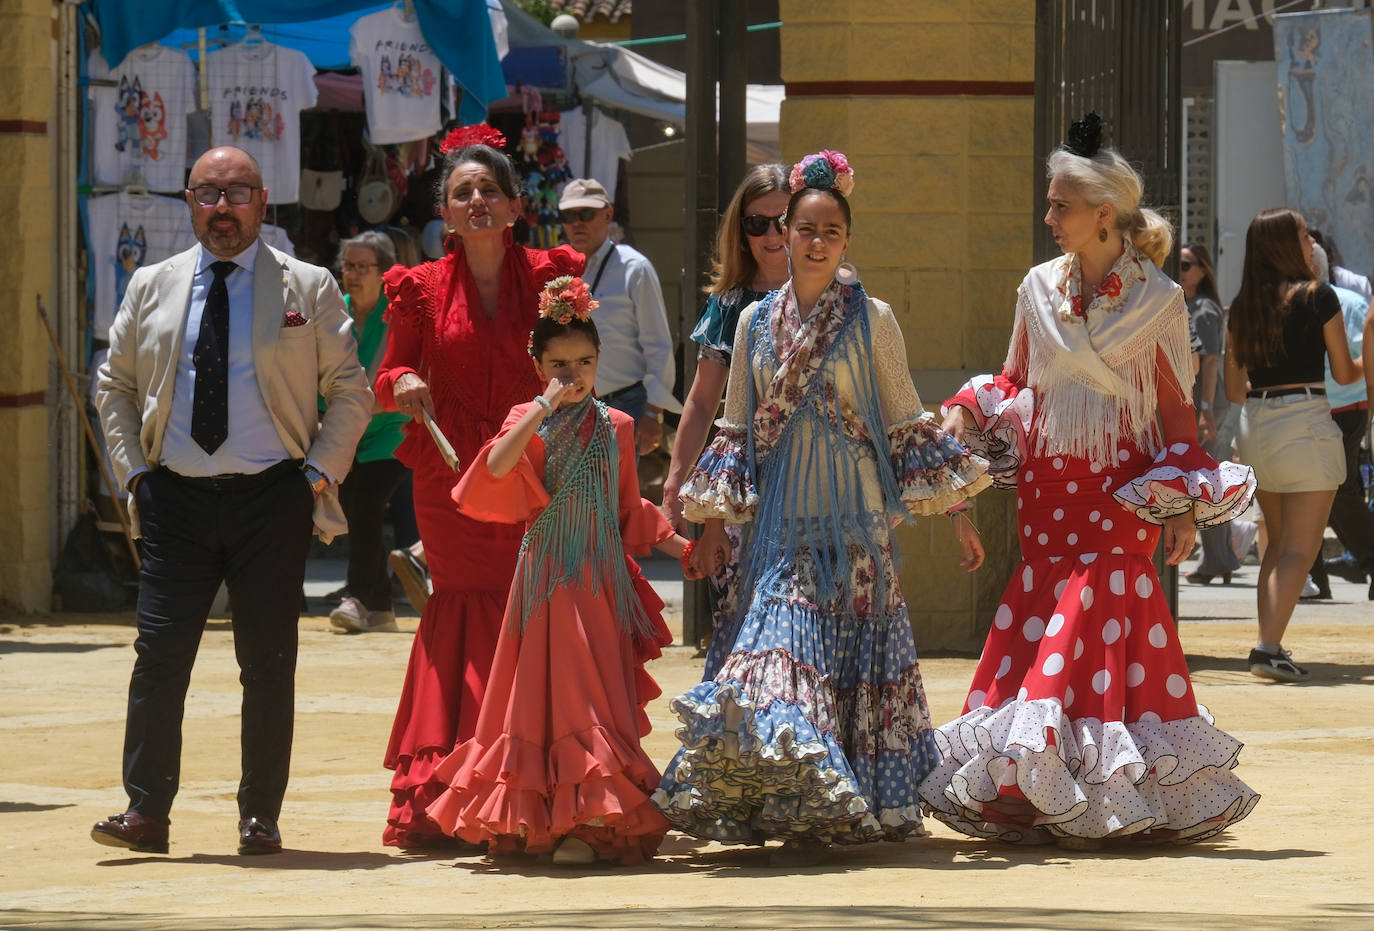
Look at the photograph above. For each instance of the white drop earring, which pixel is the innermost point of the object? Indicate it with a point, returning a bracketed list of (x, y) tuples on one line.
[(846, 274)]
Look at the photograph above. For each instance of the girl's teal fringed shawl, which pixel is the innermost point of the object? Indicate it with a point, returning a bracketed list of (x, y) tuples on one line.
[(575, 541)]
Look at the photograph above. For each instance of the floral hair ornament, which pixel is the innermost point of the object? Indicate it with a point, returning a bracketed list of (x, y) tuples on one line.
[(477, 134), (825, 170), (1088, 135), (565, 299)]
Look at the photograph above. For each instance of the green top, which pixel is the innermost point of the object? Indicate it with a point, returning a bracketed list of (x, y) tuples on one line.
[(384, 433)]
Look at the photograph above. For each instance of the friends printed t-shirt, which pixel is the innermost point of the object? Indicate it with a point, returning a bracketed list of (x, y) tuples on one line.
[(257, 93), (400, 77)]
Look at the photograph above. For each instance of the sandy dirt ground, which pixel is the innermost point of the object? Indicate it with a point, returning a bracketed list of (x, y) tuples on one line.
[(1302, 859)]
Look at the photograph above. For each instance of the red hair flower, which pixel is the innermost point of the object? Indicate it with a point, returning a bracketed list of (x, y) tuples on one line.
[(477, 134), (565, 299)]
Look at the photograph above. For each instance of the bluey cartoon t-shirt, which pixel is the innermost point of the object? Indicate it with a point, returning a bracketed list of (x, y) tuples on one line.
[(257, 93), (138, 125), (400, 77), (126, 232)]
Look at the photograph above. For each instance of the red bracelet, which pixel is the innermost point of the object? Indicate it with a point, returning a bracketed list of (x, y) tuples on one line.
[(686, 558)]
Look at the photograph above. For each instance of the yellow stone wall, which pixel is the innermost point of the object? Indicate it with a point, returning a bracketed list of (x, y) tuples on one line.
[(26, 268), (943, 216)]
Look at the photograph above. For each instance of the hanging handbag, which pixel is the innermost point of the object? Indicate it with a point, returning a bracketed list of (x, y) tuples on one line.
[(377, 200), (321, 190)]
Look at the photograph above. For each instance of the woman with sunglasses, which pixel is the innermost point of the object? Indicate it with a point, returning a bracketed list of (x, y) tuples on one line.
[(814, 729), (456, 353), (1209, 397), (1284, 325), (750, 261)]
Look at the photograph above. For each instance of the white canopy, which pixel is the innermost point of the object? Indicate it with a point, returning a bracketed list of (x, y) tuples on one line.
[(624, 79)]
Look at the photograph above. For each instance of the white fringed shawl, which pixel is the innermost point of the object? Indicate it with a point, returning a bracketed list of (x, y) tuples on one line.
[(1093, 372)]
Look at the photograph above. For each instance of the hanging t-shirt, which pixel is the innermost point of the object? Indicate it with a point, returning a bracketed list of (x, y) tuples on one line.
[(257, 93), (609, 146), (125, 232), (400, 77), (138, 126)]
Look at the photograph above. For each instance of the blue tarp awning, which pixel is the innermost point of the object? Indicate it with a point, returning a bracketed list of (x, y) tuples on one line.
[(458, 31)]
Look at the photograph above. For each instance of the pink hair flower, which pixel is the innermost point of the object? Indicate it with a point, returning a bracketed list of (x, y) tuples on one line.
[(566, 298)]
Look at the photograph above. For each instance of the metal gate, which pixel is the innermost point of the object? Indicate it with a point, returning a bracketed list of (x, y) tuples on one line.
[(1122, 58)]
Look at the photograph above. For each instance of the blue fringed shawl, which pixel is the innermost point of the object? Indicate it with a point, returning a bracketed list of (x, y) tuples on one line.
[(810, 490)]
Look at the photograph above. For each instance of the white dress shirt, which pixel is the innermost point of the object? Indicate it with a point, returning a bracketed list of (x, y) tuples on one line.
[(636, 345), (253, 444)]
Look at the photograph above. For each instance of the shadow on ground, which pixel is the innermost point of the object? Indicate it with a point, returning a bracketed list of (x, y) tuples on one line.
[(28, 646), (799, 916), (1322, 673)]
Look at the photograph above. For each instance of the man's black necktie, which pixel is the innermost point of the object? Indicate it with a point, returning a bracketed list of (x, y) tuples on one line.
[(210, 410)]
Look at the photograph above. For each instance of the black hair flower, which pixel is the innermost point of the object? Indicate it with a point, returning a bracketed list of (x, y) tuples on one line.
[(1088, 135)]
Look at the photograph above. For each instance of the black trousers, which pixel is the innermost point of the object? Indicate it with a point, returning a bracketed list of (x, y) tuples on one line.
[(1350, 516), (365, 495), (252, 533)]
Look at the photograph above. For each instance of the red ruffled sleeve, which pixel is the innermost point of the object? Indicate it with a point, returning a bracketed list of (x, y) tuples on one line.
[(1002, 412), (405, 290), (642, 524), (1184, 477), (515, 497), (546, 264)]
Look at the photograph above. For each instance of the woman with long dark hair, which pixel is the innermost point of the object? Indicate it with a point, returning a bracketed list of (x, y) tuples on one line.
[(750, 261), (814, 729), (1284, 324)]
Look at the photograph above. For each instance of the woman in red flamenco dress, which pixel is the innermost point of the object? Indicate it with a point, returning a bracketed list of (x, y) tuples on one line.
[(457, 349), (555, 765), (1081, 724)]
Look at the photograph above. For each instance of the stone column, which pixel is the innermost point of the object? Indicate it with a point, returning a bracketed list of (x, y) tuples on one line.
[(933, 102), (26, 268)]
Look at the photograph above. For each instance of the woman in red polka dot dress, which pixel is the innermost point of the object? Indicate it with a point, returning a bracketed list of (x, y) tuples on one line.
[(1081, 723)]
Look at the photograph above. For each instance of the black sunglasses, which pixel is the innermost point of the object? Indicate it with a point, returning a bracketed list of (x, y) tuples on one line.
[(756, 224), (1184, 265), (585, 214)]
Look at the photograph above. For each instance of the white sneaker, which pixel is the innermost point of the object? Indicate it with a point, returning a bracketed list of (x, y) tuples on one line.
[(1310, 589), (350, 616)]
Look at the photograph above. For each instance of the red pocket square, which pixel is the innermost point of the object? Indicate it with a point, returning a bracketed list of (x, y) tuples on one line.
[(293, 318)]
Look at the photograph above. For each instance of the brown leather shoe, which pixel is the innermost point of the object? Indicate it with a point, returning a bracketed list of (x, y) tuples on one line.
[(132, 831), (258, 835)]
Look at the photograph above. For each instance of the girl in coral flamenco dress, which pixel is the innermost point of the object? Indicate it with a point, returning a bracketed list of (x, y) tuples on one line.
[(555, 764)]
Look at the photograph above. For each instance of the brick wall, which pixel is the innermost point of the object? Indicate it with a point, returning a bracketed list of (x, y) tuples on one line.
[(933, 103)]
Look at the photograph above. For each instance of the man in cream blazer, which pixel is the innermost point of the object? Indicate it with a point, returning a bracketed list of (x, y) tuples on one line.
[(209, 403)]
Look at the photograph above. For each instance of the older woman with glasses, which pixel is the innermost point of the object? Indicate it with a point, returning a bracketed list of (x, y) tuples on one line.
[(376, 473)]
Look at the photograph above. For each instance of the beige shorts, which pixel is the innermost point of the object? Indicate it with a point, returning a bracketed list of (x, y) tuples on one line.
[(1292, 443)]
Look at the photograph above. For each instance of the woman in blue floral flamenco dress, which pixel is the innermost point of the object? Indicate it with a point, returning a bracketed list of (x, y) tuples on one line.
[(815, 728), (1081, 725)]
